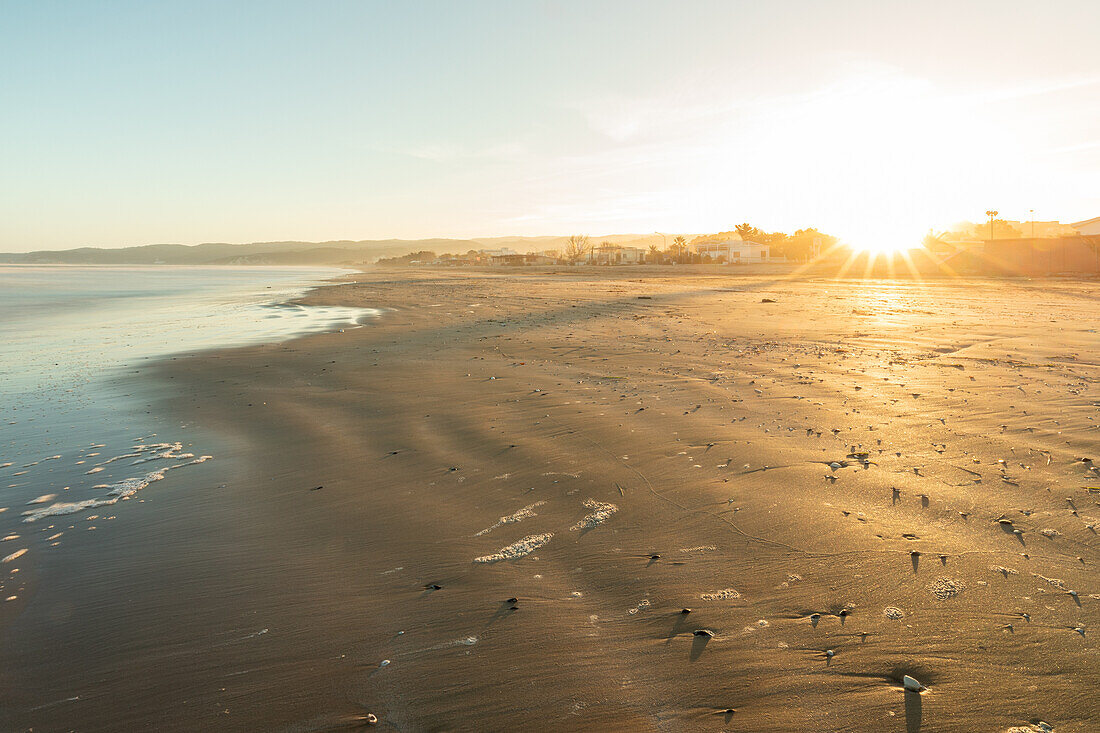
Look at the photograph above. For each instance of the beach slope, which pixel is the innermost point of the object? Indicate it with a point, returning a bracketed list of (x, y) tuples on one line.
[(593, 500)]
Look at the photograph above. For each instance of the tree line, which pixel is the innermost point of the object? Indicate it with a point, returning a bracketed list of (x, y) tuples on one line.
[(798, 246)]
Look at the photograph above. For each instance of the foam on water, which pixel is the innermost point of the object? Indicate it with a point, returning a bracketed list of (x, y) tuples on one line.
[(524, 513), (120, 490), (518, 549), (72, 341), (115, 458), (1056, 582), (600, 514), (945, 588), (721, 595)]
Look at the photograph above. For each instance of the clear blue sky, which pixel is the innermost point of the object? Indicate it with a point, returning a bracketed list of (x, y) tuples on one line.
[(137, 122)]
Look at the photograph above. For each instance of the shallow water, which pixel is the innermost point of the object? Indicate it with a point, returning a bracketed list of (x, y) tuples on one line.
[(74, 434)]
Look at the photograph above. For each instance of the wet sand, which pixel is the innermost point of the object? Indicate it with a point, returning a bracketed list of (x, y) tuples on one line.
[(859, 481)]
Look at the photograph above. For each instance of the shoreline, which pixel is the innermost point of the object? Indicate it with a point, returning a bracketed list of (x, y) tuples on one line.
[(70, 596), (382, 461)]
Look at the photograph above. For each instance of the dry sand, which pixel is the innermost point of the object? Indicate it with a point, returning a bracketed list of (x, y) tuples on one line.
[(616, 446)]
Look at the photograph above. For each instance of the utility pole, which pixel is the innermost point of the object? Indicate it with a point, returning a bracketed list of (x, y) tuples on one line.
[(1032, 223), (991, 213)]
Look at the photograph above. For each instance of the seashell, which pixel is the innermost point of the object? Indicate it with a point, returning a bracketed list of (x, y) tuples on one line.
[(911, 684)]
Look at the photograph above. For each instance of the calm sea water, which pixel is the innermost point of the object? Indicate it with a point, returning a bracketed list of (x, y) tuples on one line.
[(76, 445)]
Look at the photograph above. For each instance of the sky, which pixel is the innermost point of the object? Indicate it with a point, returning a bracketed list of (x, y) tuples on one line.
[(127, 123)]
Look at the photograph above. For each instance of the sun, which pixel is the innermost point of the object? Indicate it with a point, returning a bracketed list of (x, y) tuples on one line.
[(885, 238), (879, 246)]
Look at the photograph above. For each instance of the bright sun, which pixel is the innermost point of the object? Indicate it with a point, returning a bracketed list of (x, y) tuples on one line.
[(881, 246), (881, 239)]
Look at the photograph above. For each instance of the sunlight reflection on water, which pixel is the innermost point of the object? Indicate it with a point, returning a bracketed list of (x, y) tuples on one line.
[(70, 336)]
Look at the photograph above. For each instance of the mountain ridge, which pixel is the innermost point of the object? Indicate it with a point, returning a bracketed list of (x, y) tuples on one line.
[(291, 252)]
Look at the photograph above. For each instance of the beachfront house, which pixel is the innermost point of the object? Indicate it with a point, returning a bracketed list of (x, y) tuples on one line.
[(524, 260), (615, 254), (733, 251)]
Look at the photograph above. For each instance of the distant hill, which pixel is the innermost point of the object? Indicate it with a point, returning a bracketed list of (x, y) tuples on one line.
[(339, 252), (538, 244), (256, 253)]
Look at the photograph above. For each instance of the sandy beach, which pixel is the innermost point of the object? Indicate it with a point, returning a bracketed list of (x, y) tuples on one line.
[(493, 507)]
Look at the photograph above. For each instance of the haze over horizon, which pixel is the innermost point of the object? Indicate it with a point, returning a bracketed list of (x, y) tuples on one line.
[(134, 123)]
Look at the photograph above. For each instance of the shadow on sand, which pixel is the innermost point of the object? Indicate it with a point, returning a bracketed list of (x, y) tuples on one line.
[(912, 712), (698, 644), (680, 626)]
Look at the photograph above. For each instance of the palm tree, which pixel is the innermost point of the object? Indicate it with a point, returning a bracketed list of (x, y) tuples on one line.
[(679, 245)]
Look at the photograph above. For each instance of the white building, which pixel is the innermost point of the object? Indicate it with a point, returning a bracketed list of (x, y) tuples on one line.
[(614, 254), (497, 252), (1088, 227), (734, 251)]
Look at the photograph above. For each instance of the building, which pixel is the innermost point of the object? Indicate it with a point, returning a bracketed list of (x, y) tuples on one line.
[(615, 254), (518, 260), (496, 252), (1088, 227), (1034, 229), (733, 251), (1040, 256)]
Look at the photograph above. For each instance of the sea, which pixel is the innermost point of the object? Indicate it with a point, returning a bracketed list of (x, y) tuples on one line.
[(78, 445)]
